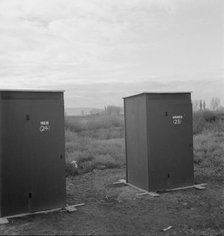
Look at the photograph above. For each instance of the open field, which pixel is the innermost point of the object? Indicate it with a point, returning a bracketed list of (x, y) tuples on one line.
[(98, 143), (97, 146), (94, 143)]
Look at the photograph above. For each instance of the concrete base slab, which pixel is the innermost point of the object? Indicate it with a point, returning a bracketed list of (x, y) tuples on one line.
[(73, 208), (122, 182), (70, 208), (200, 186), (153, 194), (196, 186), (3, 220)]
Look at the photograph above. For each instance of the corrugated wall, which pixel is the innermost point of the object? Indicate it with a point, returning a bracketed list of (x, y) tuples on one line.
[(136, 141), (170, 142), (32, 153)]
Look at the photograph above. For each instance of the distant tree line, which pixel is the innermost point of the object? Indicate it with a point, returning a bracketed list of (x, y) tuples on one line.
[(215, 105), (108, 110), (112, 110)]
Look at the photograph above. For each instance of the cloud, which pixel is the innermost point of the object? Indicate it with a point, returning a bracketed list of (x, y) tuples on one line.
[(100, 94), (87, 28), (92, 44)]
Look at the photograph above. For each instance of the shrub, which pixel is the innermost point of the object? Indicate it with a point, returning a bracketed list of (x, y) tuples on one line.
[(77, 124), (209, 154), (70, 169), (114, 147), (209, 116), (216, 126), (106, 161), (98, 143), (207, 120), (86, 166), (198, 122), (103, 133), (93, 153), (70, 136)]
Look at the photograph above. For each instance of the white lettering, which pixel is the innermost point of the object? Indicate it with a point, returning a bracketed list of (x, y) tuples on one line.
[(177, 117), (44, 122), (177, 121), (44, 126)]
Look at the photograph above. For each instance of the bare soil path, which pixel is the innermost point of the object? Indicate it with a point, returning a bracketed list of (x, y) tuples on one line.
[(111, 210)]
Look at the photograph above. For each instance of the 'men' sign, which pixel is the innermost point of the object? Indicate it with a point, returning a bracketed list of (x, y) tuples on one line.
[(44, 126)]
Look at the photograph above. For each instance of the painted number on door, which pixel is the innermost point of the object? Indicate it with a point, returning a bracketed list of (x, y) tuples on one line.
[(177, 120), (44, 126)]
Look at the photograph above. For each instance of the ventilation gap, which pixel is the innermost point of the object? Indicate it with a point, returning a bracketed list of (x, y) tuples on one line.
[(30, 195), (168, 175)]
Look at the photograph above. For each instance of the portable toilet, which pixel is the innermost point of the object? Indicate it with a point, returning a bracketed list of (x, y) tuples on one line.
[(32, 156), (159, 140)]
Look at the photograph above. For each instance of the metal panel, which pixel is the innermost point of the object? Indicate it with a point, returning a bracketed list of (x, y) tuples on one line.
[(0, 156), (15, 157), (48, 158), (164, 95), (159, 140), (16, 95), (170, 142), (32, 158), (136, 141)]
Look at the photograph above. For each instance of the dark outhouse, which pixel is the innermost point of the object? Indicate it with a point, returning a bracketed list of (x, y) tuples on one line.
[(159, 140), (32, 152)]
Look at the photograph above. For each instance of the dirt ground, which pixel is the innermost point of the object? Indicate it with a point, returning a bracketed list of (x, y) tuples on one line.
[(113, 210)]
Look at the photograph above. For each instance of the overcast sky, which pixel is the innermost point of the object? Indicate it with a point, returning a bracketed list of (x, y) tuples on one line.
[(102, 50)]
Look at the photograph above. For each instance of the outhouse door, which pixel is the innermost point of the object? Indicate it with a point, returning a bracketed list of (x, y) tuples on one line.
[(16, 156), (48, 161), (32, 156), (171, 145)]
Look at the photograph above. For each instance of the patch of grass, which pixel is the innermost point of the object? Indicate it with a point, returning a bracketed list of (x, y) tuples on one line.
[(209, 155), (198, 123), (77, 124), (94, 143), (104, 133), (106, 161), (70, 169), (75, 142), (113, 147), (98, 143), (207, 120), (97, 154)]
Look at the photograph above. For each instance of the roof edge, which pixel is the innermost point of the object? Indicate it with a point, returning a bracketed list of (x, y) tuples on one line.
[(32, 90), (157, 93)]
